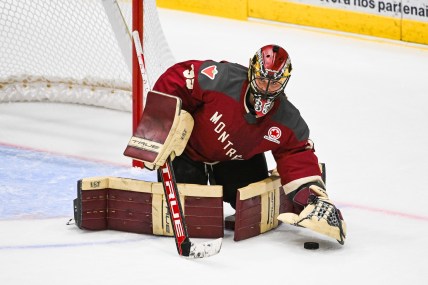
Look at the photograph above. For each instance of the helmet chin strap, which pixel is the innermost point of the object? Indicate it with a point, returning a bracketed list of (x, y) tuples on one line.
[(250, 116)]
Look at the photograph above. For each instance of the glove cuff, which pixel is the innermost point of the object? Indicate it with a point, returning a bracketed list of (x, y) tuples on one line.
[(303, 195)]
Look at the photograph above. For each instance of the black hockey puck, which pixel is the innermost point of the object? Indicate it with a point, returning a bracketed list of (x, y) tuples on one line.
[(311, 245)]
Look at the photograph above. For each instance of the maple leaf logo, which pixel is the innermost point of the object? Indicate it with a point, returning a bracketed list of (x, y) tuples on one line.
[(274, 133), (210, 71)]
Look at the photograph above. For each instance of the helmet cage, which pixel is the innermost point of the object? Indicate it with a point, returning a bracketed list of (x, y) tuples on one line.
[(258, 70)]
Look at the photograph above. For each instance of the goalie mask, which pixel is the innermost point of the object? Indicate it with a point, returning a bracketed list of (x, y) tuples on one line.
[(268, 74)]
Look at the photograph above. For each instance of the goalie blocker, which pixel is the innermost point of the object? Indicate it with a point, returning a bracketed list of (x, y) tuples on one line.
[(113, 203), (155, 140)]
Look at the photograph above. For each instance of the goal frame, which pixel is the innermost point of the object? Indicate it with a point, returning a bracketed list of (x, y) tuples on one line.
[(80, 52)]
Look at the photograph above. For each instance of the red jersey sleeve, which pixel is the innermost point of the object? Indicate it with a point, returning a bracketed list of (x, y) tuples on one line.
[(297, 162), (179, 80)]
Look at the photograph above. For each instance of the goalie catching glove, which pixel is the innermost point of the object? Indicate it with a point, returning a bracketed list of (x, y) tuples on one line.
[(162, 132), (319, 213)]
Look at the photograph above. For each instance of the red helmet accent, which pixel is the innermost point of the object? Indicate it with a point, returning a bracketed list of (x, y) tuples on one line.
[(274, 60)]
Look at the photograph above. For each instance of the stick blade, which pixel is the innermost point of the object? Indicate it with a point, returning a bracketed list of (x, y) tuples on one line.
[(206, 249)]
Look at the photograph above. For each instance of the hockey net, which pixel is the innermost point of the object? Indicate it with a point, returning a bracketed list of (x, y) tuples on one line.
[(76, 51)]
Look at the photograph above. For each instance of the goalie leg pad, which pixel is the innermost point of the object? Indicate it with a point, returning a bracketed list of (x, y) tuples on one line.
[(257, 208), (163, 131), (140, 207)]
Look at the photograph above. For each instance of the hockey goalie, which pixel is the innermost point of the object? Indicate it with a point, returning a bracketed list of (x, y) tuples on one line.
[(230, 116), (239, 114)]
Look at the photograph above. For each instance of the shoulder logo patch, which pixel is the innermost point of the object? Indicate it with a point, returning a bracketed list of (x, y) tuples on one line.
[(273, 135), (210, 71)]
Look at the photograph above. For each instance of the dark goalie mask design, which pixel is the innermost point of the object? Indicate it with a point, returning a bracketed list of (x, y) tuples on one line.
[(268, 74)]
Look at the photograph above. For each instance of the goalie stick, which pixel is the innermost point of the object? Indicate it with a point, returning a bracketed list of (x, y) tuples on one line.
[(184, 246)]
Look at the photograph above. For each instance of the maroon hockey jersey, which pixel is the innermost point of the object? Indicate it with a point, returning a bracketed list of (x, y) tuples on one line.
[(214, 93)]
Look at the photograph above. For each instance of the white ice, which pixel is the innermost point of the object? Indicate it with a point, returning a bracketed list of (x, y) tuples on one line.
[(365, 100)]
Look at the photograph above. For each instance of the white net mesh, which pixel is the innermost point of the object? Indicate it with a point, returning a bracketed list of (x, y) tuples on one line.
[(67, 51)]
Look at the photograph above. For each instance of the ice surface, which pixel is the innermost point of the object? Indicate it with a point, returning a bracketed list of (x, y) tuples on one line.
[(365, 101)]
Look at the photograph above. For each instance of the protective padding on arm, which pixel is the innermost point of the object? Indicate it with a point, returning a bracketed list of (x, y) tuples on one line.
[(163, 131), (295, 184), (138, 206), (257, 207)]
